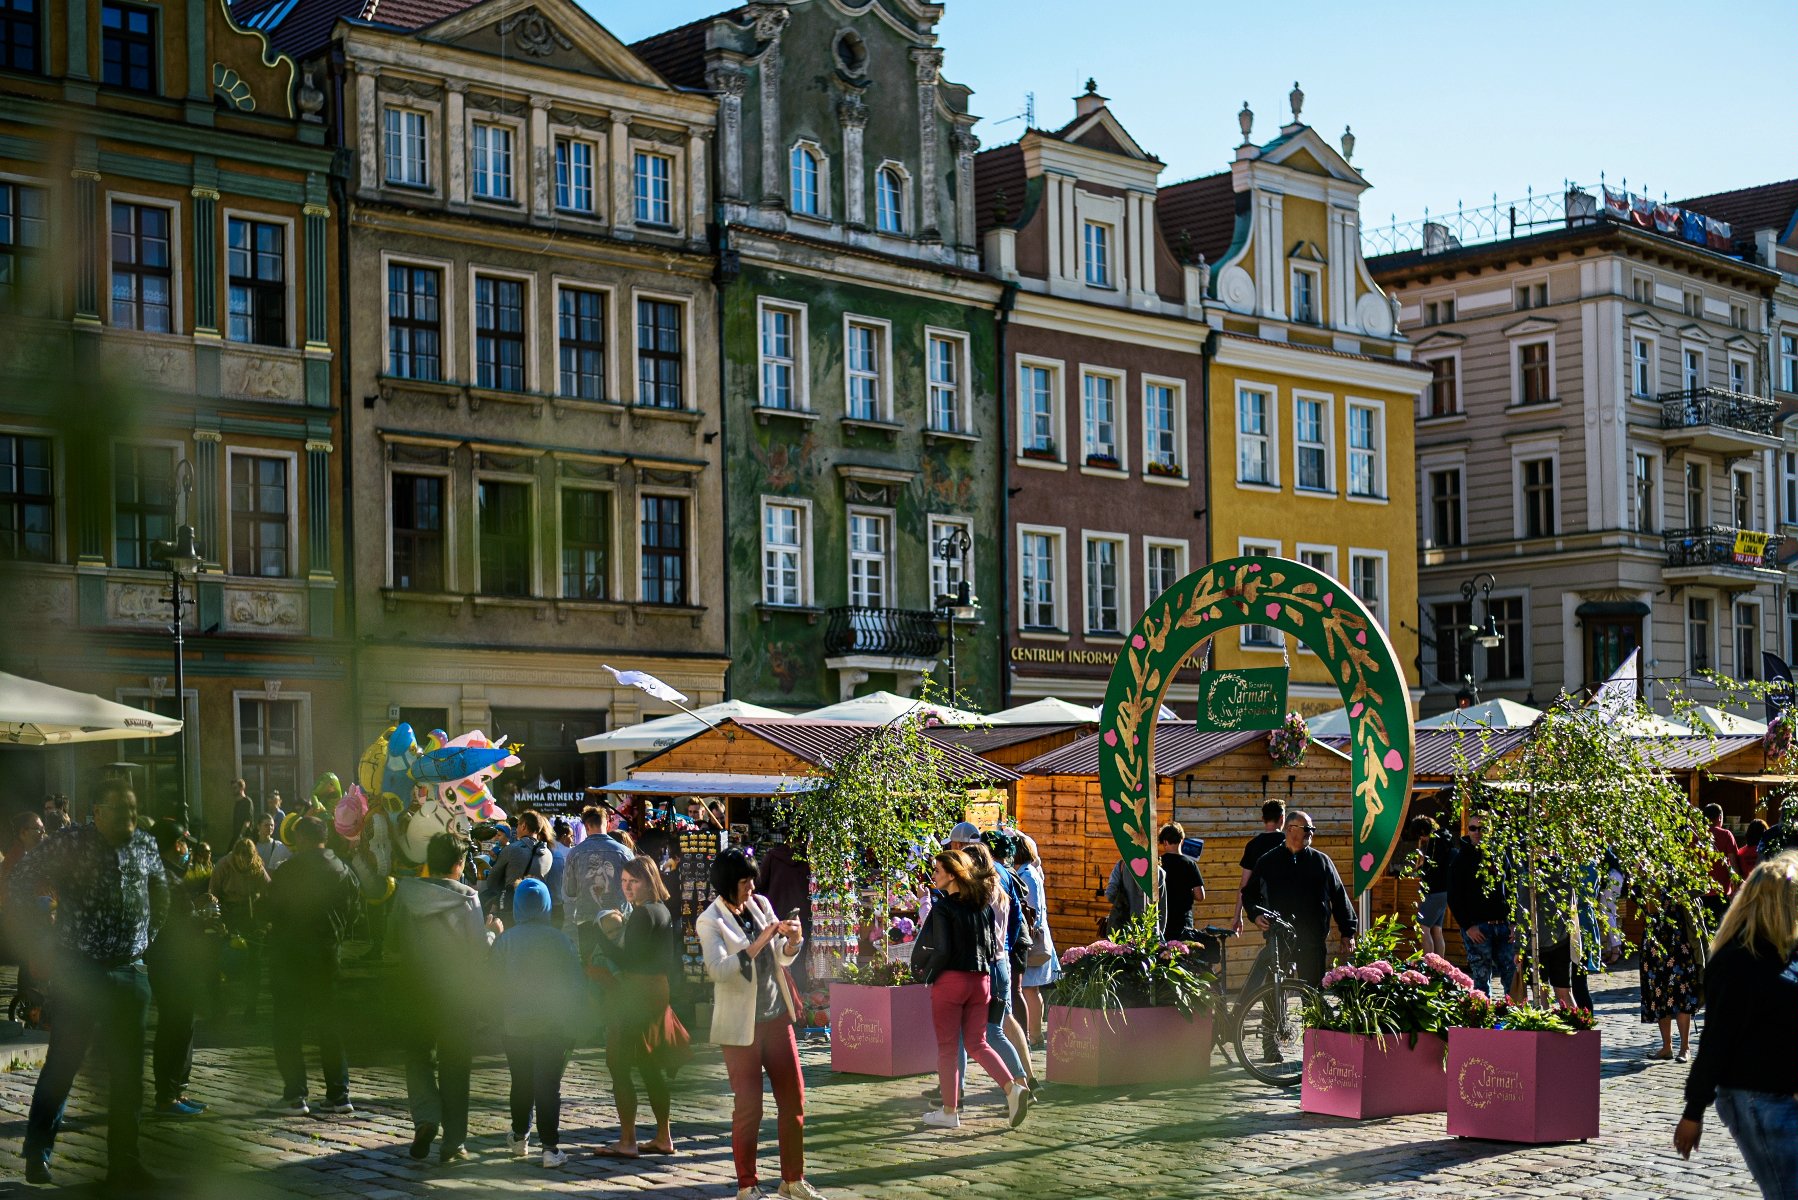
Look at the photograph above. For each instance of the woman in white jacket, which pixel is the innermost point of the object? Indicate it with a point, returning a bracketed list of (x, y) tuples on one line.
[(747, 950)]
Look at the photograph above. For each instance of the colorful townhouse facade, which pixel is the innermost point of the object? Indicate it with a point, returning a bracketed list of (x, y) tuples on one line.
[(860, 431), (167, 232)]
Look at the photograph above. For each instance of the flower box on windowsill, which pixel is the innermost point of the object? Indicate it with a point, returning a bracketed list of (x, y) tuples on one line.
[(1091, 1047), (1040, 453), (1164, 470), (1515, 1085), (1107, 462), (1355, 1075), (884, 1031)]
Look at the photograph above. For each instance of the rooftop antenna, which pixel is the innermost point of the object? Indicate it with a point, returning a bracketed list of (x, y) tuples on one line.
[(1028, 116)]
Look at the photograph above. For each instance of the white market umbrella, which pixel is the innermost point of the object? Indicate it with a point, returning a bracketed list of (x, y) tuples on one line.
[(1047, 711), (1723, 721), (661, 732), (1097, 713), (1652, 725), (878, 708), (1488, 714), (1334, 723), (41, 714)]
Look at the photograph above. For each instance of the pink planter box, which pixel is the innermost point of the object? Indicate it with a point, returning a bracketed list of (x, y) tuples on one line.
[(884, 1031), (1354, 1075), (1138, 1045), (1508, 1085)]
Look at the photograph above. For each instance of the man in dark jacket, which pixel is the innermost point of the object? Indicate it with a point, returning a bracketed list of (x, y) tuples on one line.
[(312, 902), (1299, 882), (1482, 909), (528, 857)]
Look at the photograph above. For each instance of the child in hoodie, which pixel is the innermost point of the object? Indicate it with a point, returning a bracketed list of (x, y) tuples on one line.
[(547, 992)]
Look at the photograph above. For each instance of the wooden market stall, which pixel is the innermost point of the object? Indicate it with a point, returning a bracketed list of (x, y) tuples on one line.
[(1011, 745)]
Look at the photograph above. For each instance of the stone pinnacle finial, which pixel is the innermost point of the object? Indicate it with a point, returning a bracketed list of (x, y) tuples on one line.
[(1246, 119), (1092, 85), (1348, 144), (1296, 97)]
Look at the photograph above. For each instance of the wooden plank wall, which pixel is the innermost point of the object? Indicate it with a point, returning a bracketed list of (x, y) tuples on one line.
[(1063, 814), (727, 750), (1016, 755)]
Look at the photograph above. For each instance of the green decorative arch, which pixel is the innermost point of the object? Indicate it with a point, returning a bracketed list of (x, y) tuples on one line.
[(1308, 605)]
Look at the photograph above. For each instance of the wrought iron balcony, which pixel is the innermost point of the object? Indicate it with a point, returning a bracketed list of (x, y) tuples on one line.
[(1709, 413), (883, 632), (1718, 552)]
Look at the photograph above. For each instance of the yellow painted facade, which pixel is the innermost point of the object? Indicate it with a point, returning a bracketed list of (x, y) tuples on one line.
[(1312, 402)]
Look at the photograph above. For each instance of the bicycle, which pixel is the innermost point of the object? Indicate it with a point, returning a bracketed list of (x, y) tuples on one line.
[(1265, 1019)]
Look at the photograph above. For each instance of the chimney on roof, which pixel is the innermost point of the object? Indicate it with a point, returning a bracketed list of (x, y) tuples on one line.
[(1089, 101)]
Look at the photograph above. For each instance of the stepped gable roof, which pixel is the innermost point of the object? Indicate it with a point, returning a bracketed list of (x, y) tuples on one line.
[(1765, 206), (299, 27), (679, 53), (1198, 216)]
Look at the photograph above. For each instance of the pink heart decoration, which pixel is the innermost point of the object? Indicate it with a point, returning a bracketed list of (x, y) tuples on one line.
[(1111, 737), (1329, 598), (1356, 711), (1361, 637), (1394, 761), (1138, 642), (1254, 567), (1135, 740), (1273, 610), (1140, 865), (1367, 862), (1116, 807)]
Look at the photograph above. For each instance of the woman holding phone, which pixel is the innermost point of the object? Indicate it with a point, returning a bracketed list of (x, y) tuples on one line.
[(747, 952)]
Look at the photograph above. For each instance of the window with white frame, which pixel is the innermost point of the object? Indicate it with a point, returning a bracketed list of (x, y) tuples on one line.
[(1788, 362), (1642, 370), (1788, 479), (1318, 558), (1509, 660), (1645, 497), (1445, 385), (414, 321), (1536, 490), (1738, 376), (864, 363), (143, 267), (1099, 418), (1104, 595), (1698, 633), (1444, 485), (491, 165), (1698, 499), (1254, 436), (1163, 565), (503, 514), (870, 559), (783, 381), (948, 574), (652, 188), (1748, 640), (1741, 499), (499, 333), (1095, 244), (581, 342), (1306, 305), (1039, 579), (1162, 407), (661, 352), (1311, 443), (260, 532), (944, 357), (1367, 579), (407, 147), (256, 275), (268, 745), (662, 541), (805, 184), (586, 543), (784, 574), (1366, 450), (418, 520), (1038, 393), (1259, 636), (889, 200), (574, 174), (1692, 369), (1534, 382)]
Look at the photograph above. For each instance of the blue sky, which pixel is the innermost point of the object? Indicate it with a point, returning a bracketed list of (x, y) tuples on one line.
[(1448, 100)]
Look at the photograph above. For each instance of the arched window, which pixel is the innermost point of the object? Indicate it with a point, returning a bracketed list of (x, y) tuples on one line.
[(889, 201), (805, 181)]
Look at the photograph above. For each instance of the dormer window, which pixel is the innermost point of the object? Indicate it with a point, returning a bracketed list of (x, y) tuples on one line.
[(1096, 253), (889, 201), (806, 196), (1305, 307)]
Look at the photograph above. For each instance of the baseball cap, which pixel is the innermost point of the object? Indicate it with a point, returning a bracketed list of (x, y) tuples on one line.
[(966, 831)]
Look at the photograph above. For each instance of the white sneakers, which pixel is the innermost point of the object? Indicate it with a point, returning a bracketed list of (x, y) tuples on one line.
[(518, 1147), (1018, 1101), (942, 1119), (799, 1189), (752, 1192), (554, 1158)]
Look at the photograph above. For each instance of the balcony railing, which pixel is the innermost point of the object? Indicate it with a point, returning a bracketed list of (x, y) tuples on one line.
[(1720, 546), (1699, 407), (884, 632)]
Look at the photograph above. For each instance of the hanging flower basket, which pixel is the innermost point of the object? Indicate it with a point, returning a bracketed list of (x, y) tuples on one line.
[(1778, 739), (1287, 744)]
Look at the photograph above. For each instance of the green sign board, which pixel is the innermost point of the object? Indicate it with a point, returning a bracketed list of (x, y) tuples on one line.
[(1249, 698)]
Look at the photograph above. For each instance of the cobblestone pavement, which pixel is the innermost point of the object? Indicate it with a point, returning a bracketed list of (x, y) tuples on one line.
[(1231, 1138)]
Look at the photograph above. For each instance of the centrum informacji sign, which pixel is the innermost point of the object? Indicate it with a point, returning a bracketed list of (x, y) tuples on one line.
[(1250, 698)]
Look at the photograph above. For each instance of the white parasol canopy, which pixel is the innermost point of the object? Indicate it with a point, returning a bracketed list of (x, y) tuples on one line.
[(1724, 721), (1488, 714), (878, 708), (41, 714), (1333, 723), (1047, 711), (661, 732)]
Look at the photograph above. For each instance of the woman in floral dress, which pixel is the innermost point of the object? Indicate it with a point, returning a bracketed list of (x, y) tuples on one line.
[(1672, 978)]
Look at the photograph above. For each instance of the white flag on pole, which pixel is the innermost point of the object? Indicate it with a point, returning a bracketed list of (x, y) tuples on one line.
[(644, 681)]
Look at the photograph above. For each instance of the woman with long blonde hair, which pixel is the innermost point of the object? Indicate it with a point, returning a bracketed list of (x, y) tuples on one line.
[(1745, 1062)]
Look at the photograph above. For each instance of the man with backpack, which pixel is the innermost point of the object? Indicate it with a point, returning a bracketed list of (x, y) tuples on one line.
[(527, 857)]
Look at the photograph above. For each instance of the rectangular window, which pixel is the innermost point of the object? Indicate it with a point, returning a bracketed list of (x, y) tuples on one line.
[(889, 201), (574, 175), (1103, 604), (869, 566), (27, 500), (1454, 648), (1538, 497), (1698, 633), (505, 543), (418, 533), (1319, 558), (1304, 296), (259, 508), (1164, 565), (1692, 373), (780, 364), (128, 47), (664, 541), (652, 191), (1646, 505), (142, 268), (414, 322), (1254, 462), (1311, 449), (257, 274), (408, 148), (1097, 246), (21, 42), (1642, 366), (862, 356), (1260, 635), (1039, 554), (1738, 315), (1366, 451), (1445, 508), (586, 544), (1532, 295), (1748, 641), (143, 509), (783, 554), (1445, 399), (1161, 431), (947, 574), (1789, 486), (804, 181), (499, 333), (1507, 660), (21, 238), (943, 357), (1788, 362), (1367, 576), (1439, 312), (1698, 501), (268, 745), (581, 338), (659, 354), (492, 161), (1642, 288), (1036, 400), (1741, 499), (1099, 414), (1738, 377), (1532, 373), (1694, 304)]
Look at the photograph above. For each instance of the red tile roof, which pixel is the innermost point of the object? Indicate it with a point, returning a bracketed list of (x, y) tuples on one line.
[(1198, 216), (1000, 169), (678, 54), (1748, 210)]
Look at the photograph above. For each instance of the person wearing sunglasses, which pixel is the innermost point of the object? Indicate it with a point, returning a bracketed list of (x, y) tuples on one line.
[(1482, 908), (1297, 881)]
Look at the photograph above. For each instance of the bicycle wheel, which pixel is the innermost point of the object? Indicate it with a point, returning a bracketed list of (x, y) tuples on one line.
[(1270, 1037)]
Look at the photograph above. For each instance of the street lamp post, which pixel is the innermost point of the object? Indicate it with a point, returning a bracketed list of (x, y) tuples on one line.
[(1486, 634), (957, 605), (183, 558)]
